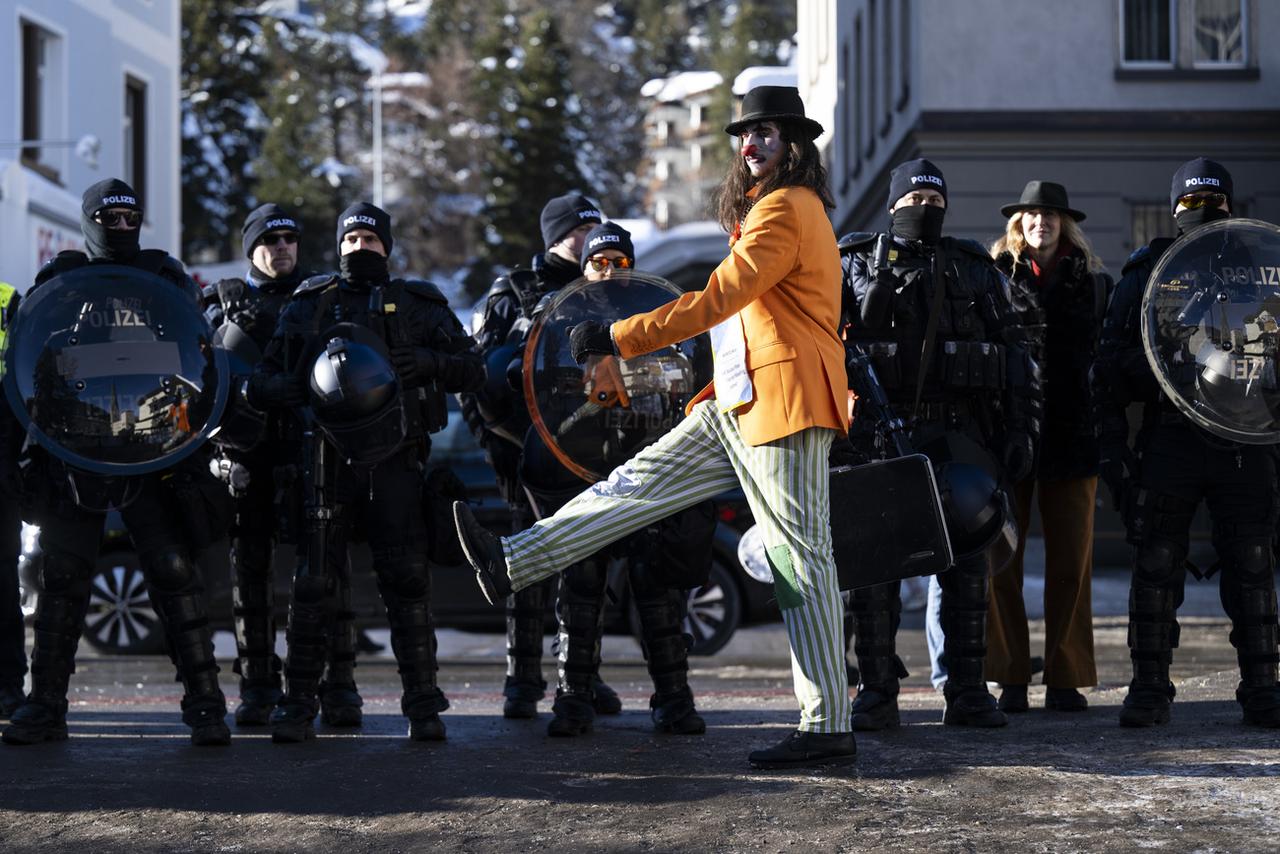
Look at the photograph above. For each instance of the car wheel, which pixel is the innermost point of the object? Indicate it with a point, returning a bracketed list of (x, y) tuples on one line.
[(715, 610), (121, 620)]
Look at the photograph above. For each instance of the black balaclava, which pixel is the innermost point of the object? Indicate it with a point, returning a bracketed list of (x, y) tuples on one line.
[(1200, 175), (919, 222), (105, 244), (364, 266)]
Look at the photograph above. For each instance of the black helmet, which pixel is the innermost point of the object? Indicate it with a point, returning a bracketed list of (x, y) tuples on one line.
[(980, 521), (355, 395)]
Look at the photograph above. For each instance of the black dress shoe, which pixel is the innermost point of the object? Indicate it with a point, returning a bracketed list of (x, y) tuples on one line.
[(484, 552), (805, 749), (1013, 699), (1065, 700)]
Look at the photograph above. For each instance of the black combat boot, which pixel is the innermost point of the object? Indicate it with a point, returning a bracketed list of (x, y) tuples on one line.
[(60, 615), (1255, 636), (524, 686), (964, 620), (178, 596), (340, 700), (310, 614), (253, 606), (581, 612), (1153, 635), (876, 612), (413, 640), (666, 653)]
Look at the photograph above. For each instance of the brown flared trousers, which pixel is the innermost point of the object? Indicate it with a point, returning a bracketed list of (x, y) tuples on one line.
[(1066, 513)]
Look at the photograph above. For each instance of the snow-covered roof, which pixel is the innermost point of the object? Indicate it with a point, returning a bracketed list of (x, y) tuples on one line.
[(405, 80), (763, 75), (680, 86)]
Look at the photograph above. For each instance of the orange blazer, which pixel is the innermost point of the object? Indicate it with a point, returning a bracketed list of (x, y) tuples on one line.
[(783, 274)]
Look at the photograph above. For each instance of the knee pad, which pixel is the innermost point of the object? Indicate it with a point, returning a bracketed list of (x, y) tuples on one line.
[(584, 580), (406, 580), (252, 556), (1160, 562), (170, 571), (1248, 563), (65, 574)]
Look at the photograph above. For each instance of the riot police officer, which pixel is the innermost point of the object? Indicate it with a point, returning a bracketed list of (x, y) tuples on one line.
[(156, 513), (1158, 483), (663, 560), (260, 455), (500, 420), (378, 355), (933, 314)]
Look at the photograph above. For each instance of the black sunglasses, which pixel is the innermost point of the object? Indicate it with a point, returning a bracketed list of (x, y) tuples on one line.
[(287, 237), (131, 219)]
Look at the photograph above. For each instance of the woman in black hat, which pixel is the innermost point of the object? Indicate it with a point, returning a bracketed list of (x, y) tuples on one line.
[(1059, 290)]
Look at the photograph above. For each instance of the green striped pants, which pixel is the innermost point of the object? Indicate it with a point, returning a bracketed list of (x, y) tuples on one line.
[(787, 488)]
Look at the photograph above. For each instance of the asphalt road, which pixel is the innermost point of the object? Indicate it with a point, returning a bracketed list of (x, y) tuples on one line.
[(128, 780)]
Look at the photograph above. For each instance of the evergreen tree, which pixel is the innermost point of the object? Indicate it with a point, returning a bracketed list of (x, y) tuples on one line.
[(222, 126), (532, 126)]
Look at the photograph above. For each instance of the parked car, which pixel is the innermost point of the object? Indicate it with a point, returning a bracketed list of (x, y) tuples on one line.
[(122, 621)]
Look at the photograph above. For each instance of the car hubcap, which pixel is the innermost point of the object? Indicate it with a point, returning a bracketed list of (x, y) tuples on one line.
[(120, 612)]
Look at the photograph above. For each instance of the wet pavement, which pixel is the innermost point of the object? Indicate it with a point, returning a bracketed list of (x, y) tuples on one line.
[(128, 780)]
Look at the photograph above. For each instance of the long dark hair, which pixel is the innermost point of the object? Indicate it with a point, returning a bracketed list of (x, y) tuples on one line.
[(801, 166)]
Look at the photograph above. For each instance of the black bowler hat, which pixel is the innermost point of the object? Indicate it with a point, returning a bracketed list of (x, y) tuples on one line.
[(773, 104), (1043, 194)]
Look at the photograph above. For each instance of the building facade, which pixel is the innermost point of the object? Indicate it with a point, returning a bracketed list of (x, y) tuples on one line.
[(93, 89), (1107, 97)]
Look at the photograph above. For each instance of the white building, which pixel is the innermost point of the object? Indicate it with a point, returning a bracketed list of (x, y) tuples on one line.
[(1107, 97), (80, 71)]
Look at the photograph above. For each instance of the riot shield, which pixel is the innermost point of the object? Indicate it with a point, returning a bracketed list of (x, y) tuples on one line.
[(113, 371), (595, 416), (1209, 328)]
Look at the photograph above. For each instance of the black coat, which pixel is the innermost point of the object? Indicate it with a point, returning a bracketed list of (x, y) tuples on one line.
[(1062, 319)]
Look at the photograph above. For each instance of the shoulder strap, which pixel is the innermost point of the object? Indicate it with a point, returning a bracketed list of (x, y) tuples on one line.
[(931, 329)]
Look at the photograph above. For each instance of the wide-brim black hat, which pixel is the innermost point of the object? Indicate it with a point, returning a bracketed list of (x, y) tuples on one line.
[(1043, 194), (773, 104)]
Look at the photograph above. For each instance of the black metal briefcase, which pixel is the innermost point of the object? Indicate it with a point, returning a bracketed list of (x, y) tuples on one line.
[(887, 522)]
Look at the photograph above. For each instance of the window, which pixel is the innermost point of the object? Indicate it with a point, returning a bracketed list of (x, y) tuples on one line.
[(1149, 220), (135, 135), (695, 117), (904, 54), (664, 131), (695, 156), (859, 106), (1220, 26), (661, 170), (41, 93), (1147, 32), (872, 62), (887, 41)]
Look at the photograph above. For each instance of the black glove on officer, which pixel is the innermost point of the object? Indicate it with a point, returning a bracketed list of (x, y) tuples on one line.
[(415, 364), (1019, 456), (1116, 466), (590, 338)]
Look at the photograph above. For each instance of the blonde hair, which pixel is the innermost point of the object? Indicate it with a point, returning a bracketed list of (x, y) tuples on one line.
[(1014, 241)]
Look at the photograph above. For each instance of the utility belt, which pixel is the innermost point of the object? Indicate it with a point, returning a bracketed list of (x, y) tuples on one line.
[(959, 365)]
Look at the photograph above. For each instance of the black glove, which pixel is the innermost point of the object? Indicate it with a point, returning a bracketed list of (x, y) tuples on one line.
[(277, 391), (1019, 456), (414, 364), (590, 338), (1116, 467)]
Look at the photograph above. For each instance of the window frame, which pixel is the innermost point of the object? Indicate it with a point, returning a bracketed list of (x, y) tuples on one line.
[(50, 163), (1149, 64), (1216, 65)]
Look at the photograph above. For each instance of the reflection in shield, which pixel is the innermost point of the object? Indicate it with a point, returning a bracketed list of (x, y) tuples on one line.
[(596, 416), (1210, 332), (112, 370)]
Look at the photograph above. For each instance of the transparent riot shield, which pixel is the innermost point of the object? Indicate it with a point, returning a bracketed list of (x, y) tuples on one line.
[(1210, 332), (597, 415), (113, 371)]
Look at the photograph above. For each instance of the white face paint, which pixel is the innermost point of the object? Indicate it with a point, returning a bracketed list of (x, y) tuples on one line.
[(761, 148)]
